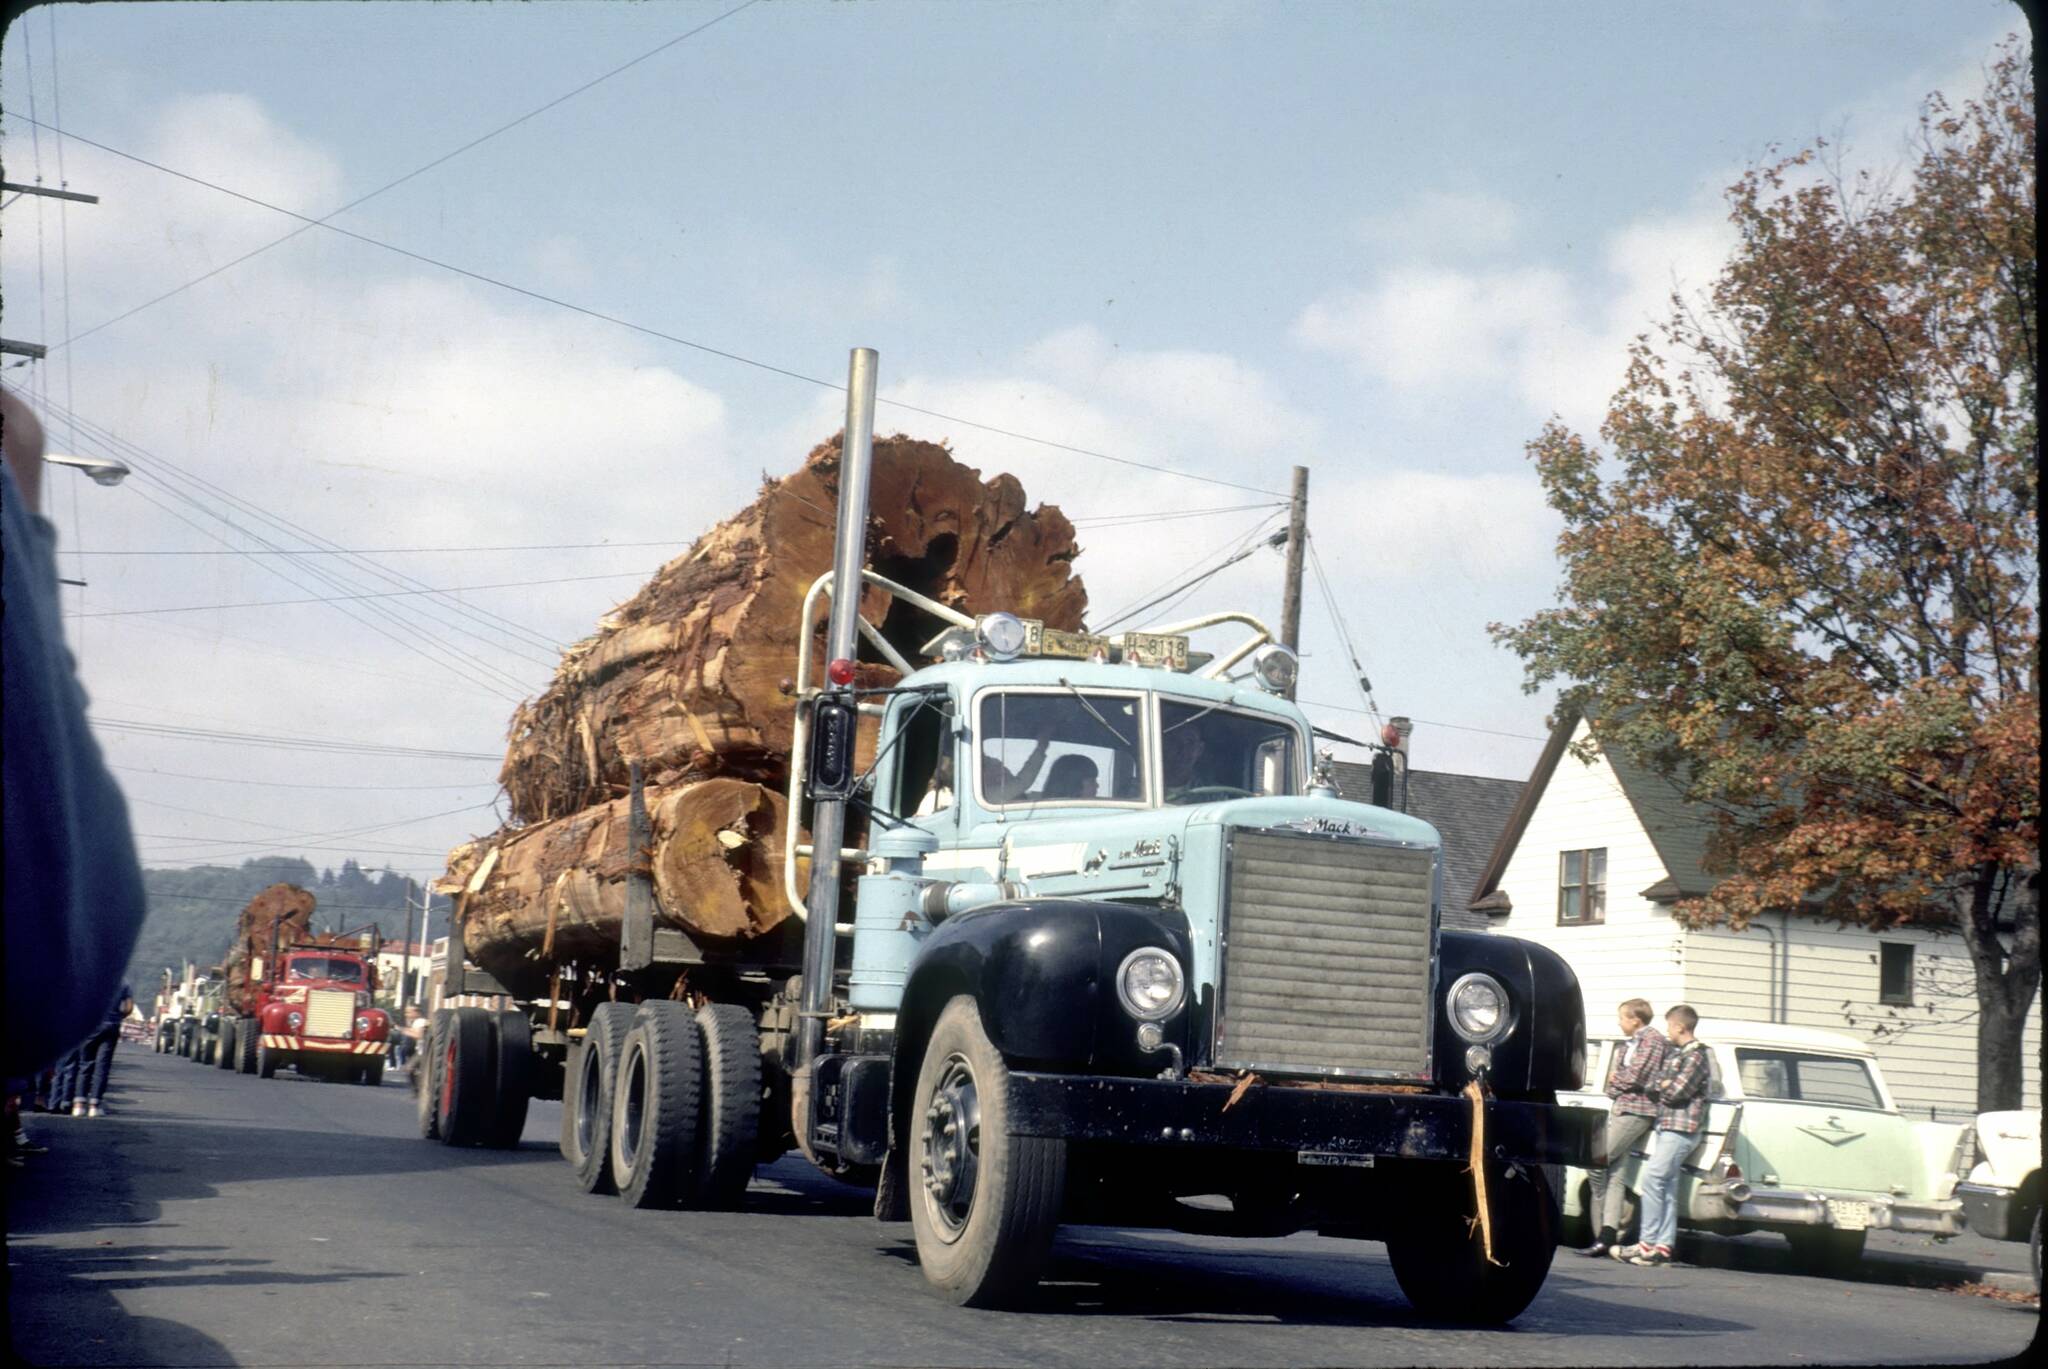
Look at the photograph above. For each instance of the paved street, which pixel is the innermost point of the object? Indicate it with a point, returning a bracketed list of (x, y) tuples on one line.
[(221, 1219)]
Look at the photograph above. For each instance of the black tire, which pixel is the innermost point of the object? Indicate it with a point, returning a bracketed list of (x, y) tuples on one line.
[(266, 1061), (732, 1102), (512, 1046), (984, 1203), (467, 1078), (222, 1052), (587, 1131), (426, 1082), (246, 1036), (1827, 1250), (371, 1074), (658, 1108), (1440, 1260), (2036, 1243)]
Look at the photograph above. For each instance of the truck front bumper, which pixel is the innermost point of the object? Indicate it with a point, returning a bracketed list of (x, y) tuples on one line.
[(1988, 1211), (279, 1041), (1783, 1207), (1327, 1124)]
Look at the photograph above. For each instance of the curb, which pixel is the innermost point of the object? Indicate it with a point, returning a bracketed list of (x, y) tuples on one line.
[(2010, 1283)]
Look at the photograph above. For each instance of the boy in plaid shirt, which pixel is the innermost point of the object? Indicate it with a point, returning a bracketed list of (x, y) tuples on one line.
[(1629, 1118), (1681, 1094)]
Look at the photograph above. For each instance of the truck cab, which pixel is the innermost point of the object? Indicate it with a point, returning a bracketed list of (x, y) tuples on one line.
[(314, 1013)]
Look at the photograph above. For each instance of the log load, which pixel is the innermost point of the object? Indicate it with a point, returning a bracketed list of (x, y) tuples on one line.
[(687, 676), (688, 679), (288, 910)]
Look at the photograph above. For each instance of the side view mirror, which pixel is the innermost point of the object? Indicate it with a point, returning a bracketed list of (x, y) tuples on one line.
[(833, 774)]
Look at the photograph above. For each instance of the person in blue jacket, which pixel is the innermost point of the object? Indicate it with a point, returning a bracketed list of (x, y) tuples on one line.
[(72, 883)]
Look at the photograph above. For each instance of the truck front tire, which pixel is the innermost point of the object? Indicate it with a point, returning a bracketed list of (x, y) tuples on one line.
[(1441, 1264), (732, 1102), (984, 1203), (658, 1109), (246, 1037), (587, 1134)]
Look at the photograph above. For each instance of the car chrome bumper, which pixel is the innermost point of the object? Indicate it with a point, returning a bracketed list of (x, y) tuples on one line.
[(1327, 1123), (1740, 1202), (1987, 1210)]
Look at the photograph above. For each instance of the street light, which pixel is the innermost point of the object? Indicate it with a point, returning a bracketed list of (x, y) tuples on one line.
[(102, 471)]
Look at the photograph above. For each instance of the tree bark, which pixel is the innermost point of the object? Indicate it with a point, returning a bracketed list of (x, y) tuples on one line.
[(2008, 975), (687, 676), (557, 890), (283, 909)]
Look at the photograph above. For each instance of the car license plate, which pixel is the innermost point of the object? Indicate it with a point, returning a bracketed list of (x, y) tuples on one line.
[(1849, 1215), (1332, 1158)]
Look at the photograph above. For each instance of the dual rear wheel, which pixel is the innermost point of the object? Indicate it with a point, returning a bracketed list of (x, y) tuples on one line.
[(662, 1105), (474, 1078)]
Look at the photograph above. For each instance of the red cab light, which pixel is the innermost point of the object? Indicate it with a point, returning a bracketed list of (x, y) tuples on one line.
[(840, 672)]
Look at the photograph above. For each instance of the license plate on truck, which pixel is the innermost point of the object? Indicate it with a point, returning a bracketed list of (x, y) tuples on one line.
[(1848, 1214), (1332, 1158)]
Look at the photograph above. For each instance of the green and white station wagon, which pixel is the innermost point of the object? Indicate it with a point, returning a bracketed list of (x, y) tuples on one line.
[(1801, 1137)]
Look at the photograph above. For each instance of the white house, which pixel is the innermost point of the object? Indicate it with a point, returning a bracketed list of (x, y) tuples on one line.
[(1592, 859)]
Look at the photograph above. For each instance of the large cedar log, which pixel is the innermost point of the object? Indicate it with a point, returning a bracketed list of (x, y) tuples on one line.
[(556, 891), (283, 909), (686, 677)]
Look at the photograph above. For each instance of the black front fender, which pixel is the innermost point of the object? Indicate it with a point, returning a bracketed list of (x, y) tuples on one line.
[(1550, 1020)]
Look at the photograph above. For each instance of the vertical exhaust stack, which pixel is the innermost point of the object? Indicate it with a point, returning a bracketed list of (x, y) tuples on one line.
[(828, 815), (1402, 728)]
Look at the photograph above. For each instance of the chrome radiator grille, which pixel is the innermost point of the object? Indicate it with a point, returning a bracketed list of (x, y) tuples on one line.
[(1326, 957), (330, 1012)]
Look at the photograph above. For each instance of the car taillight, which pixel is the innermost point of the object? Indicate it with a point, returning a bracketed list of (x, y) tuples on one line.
[(1725, 1162)]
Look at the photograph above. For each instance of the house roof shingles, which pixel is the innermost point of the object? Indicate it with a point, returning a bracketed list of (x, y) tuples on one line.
[(1468, 812)]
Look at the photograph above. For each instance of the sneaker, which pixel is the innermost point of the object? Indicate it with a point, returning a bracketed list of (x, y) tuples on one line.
[(94, 1111), (1625, 1252), (78, 1106), (26, 1146), (1651, 1256)]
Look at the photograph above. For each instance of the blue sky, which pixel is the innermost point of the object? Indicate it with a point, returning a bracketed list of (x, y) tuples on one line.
[(1384, 241)]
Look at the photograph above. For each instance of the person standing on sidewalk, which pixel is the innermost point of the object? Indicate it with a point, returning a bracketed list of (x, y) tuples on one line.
[(1681, 1094), (1630, 1118), (99, 1056)]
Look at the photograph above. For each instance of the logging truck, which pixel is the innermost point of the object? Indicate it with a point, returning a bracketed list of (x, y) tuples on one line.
[(307, 1006), (1109, 941)]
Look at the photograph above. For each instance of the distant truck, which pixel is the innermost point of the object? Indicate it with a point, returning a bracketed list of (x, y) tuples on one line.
[(296, 999), (1114, 943)]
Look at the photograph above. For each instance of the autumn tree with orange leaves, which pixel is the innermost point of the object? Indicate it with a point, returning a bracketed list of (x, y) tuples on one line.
[(1799, 570)]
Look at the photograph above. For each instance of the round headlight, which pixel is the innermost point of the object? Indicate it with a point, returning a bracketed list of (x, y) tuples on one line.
[(362, 1024), (1150, 985), (1275, 668), (295, 1020), (1002, 635), (1479, 1008)]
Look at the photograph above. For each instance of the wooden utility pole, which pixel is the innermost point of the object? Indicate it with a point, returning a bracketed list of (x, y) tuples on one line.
[(1297, 549)]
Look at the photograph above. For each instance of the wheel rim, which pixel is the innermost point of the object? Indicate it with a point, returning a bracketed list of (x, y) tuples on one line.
[(952, 1147), (633, 1112)]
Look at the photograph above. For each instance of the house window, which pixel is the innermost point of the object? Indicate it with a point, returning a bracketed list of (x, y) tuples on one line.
[(1895, 972), (1582, 886)]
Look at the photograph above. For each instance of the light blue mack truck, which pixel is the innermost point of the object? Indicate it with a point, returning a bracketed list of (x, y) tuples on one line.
[(1112, 942)]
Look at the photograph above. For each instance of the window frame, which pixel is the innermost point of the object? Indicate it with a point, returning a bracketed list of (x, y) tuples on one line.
[(1145, 759), (1895, 997), (1794, 1056), (1584, 883)]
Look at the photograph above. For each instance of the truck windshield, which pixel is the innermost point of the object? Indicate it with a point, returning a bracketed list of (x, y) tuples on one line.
[(1073, 746), (324, 967), (1208, 753)]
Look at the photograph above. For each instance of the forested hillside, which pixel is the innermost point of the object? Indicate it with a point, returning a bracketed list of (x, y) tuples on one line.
[(192, 911)]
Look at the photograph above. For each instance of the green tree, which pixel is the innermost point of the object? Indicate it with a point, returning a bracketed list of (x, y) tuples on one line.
[(1799, 571)]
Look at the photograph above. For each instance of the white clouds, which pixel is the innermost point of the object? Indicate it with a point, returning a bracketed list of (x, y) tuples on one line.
[(231, 140), (1435, 223), (1556, 340)]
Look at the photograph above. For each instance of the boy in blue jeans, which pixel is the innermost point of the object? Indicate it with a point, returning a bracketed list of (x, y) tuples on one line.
[(1681, 1094)]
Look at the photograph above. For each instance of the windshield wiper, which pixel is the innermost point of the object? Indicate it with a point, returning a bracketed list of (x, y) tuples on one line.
[(1092, 713)]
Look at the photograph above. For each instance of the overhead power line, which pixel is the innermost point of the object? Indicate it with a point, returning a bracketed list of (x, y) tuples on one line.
[(285, 784), (1431, 722), (641, 328), (288, 743), (343, 598), (386, 551), (421, 170)]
